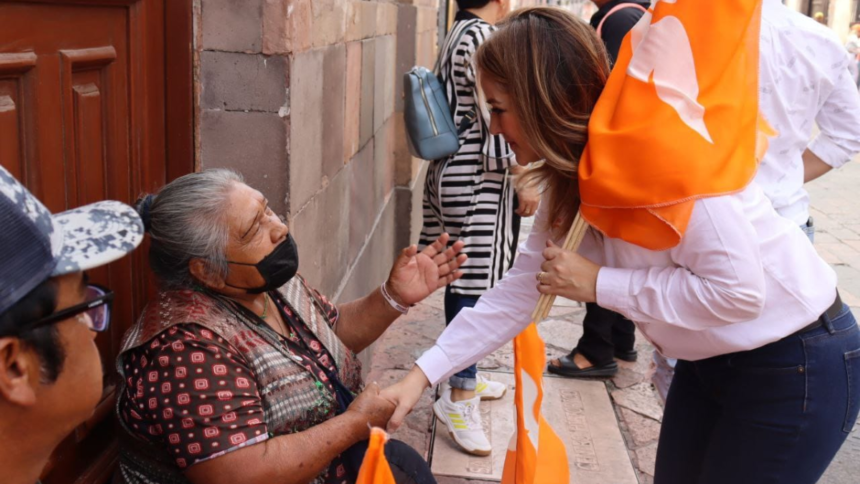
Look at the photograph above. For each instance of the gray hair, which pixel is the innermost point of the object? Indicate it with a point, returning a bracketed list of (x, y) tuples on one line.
[(187, 220)]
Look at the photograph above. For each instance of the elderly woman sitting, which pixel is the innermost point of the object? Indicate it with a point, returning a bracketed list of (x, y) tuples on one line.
[(239, 371)]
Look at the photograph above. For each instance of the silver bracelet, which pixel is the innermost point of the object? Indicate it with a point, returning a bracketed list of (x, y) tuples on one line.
[(394, 304)]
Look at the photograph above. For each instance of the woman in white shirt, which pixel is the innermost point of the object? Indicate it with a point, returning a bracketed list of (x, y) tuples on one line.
[(768, 385)]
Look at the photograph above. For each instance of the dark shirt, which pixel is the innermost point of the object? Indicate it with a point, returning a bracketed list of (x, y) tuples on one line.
[(617, 25), (465, 15)]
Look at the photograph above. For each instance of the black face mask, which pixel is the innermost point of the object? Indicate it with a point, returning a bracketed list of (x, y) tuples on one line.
[(276, 268)]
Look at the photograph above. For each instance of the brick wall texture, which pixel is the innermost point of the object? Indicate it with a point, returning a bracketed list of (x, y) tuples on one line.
[(303, 97)]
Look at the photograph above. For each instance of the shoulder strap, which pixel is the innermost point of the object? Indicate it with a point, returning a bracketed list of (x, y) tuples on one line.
[(620, 6)]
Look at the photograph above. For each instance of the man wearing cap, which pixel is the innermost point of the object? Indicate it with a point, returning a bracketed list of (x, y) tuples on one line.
[(50, 372)]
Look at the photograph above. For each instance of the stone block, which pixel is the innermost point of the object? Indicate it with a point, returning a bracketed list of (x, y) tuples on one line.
[(334, 103), (392, 73), (352, 112), (234, 82), (409, 204), (379, 71), (360, 20), (425, 53), (643, 429), (306, 98), (374, 261), (386, 18), (368, 71), (287, 26), (646, 458), (275, 27), (640, 398), (406, 41), (383, 94), (427, 18), (320, 229), (364, 205), (329, 22), (254, 144), (402, 156), (232, 25), (383, 153)]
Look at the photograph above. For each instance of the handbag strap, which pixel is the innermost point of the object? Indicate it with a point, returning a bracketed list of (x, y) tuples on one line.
[(446, 50), (620, 6)]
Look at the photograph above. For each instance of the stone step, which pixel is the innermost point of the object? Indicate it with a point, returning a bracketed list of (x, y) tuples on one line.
[(580, 412)]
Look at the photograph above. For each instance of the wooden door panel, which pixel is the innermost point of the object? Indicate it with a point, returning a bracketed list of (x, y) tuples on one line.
[(13, 77), (83, 109)]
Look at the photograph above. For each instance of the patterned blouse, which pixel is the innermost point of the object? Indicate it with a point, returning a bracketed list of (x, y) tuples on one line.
[(193, 393)]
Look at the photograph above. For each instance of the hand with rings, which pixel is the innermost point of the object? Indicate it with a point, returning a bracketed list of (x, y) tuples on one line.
[(567, 274), (529, 198)]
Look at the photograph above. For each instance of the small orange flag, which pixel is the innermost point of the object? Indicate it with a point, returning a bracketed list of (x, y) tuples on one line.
[(536, 454), (676, 122), (374, 467)]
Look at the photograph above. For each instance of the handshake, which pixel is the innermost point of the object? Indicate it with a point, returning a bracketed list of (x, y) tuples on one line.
[(387, 408)]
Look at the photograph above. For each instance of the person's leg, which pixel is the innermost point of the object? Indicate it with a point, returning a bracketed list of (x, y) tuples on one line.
[(407, 466), (689, 418), (594, 355), (458, 407), (464, 382), (596, 342), (624, 338), (809, 229), (789, 407)]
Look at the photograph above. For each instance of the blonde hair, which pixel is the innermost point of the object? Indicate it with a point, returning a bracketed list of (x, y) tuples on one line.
[(554, 68)]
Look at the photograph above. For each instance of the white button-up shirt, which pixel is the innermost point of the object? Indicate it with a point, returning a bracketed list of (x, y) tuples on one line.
[(803, 79), (742, 277)]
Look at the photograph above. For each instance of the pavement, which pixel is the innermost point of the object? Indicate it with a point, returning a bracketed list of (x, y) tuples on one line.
[(638, 408)]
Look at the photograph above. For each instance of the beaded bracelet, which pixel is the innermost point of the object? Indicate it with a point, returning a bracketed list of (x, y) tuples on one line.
[(394, 304)]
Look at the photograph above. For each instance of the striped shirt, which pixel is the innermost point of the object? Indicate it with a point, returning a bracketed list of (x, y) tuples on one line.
[(469, 194)]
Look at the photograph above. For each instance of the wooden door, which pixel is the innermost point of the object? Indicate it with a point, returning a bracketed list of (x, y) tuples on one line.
[(95, 104)]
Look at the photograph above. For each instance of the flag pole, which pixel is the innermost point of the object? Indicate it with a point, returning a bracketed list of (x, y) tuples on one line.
[(571, 242)]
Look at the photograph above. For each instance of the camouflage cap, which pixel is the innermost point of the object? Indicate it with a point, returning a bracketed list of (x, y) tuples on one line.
[(36, 245)]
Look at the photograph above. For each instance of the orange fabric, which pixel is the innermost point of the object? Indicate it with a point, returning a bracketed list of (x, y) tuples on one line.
[(676, 122), (536, 454), (374, 467)]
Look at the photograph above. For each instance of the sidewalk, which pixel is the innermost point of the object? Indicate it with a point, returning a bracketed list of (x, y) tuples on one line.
[(637, 407)]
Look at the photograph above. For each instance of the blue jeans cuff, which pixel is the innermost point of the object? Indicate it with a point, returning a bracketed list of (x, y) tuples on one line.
[(462, 383)]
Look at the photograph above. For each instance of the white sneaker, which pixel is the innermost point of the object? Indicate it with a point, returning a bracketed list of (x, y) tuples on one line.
[(489, 389), (463, 421)]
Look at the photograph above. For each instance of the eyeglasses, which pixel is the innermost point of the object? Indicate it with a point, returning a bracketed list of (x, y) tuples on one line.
[(97, 307)]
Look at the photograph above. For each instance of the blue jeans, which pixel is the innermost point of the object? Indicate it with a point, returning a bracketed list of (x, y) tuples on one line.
[(466, 379), (776, 414), (809, 229)]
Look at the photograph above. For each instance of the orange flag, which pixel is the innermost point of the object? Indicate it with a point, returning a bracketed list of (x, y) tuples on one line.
[(374, 467), (677, 120), (536, 455)]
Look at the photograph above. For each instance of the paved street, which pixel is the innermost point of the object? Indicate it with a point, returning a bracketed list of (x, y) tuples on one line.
[(637, 407)]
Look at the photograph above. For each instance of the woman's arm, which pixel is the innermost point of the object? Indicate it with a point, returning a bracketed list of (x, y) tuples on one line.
[(500, 314), (297, 458), (414, 276), (717, 278)]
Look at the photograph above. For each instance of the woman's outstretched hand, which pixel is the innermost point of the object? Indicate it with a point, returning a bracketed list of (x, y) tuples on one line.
[(416, 275), (567, 274), (405, 394)]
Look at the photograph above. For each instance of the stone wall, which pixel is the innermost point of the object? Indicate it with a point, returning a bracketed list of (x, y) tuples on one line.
[(303, 97)]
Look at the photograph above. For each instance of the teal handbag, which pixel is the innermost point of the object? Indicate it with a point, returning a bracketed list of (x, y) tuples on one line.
[(430, 129)]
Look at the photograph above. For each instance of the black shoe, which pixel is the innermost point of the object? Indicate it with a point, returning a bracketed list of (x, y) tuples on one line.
[(568, 368), (627, 355)]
